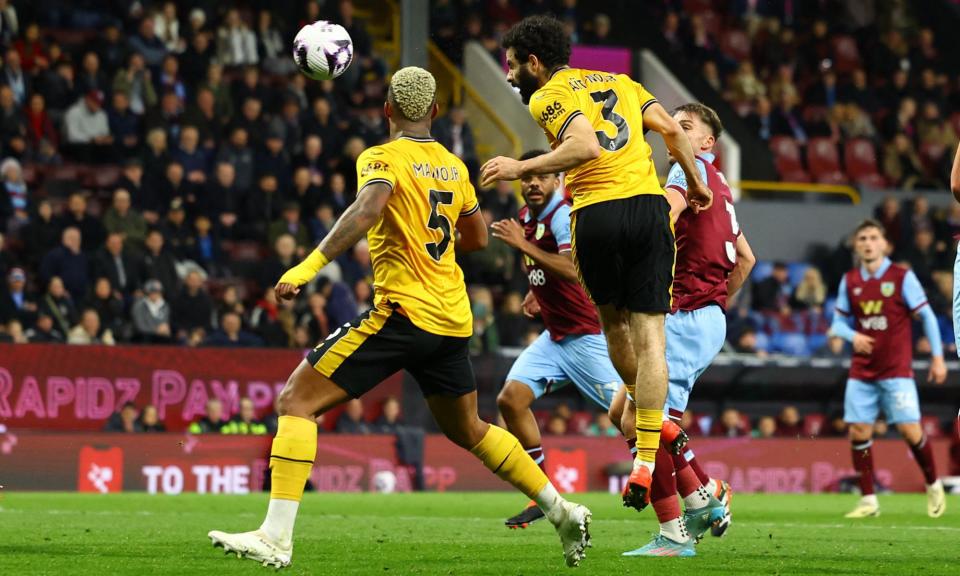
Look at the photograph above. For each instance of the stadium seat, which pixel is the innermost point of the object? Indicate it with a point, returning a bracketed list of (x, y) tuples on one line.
[(932, 426), (798, 175), (736, 45), (790, 343), (871, 181), (813, 424), (103, 177), (786, 153), (712, 22), (579, 422), (816, 342), (795, 272), (846, 55), (693, 6), (761, 270), (931, 154), (834, 177), (822, 157), (63, 180), (860, 158)]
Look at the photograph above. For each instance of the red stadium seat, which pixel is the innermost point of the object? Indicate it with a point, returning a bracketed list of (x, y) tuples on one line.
[(712, 22), (798, 175), (735, 44), (833, 177), (813, 424), (822, 157), (691, 6), (579, 422), (931, 154), (786, 153), (871, 181), (103, 177), (860, 157), (931, 426), (846, 55)]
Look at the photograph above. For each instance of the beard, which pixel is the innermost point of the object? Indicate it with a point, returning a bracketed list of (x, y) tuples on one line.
[(527, 84)]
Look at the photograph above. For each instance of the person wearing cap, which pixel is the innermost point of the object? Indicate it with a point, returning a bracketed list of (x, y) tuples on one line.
[(151, 315), (87, 128), (15, 302)]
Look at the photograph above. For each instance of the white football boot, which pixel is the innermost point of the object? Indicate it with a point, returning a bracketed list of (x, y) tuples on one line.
[(574, 531), (254, 546), (936, 500), (867, 507)]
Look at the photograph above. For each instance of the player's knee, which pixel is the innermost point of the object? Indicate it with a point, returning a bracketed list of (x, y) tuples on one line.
[(466, 434), (509, 400), (285, 401), (859, 432)]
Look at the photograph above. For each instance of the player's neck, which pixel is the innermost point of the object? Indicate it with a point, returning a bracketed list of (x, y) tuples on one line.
[(555, 70), (873, 266), (415, 132)]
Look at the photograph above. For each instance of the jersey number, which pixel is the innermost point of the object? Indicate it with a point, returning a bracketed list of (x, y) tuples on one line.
[(735, 228), (438, 221), (609, 99), (537, 277)]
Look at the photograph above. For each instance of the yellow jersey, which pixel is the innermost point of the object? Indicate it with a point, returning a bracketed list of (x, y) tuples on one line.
[(614, 105), (411, 246)]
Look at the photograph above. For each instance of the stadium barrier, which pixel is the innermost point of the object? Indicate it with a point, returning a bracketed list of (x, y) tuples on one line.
[(174, 463)]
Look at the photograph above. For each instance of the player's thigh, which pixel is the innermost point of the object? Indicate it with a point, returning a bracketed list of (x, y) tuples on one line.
[(900, 401), (649, 253), (694, 338), (538, 367), (309, 393), (861, 402), (364, 352), (457, 418), (595, 243), (586, 363)]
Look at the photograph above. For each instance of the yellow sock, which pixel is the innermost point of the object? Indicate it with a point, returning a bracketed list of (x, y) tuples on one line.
[(501, 453), (291, 458), (649, 423)]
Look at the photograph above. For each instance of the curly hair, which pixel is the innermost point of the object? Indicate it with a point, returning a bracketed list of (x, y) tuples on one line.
[(413, 90), (540, 35), (706, 114)]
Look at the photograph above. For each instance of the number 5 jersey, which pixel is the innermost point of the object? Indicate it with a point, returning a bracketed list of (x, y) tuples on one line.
[(614, 106), (411, 246)]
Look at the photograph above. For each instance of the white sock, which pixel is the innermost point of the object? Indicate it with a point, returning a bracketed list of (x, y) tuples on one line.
[(637, 463), (278, 525), (870, 499), (675, 530), (696, 499), (936, 483), (550, 501), (711, 487)]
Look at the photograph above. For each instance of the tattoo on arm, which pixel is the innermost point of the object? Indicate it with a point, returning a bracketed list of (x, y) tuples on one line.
[(358, 218)]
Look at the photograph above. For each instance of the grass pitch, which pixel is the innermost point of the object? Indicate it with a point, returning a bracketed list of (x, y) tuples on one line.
[(462, 534)]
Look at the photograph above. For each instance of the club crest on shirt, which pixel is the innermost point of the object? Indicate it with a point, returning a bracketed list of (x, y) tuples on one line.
[(857, 291), (540, 230), (887, 289)]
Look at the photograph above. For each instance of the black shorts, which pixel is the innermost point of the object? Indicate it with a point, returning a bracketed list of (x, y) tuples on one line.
[(625, 251), (379, 342)]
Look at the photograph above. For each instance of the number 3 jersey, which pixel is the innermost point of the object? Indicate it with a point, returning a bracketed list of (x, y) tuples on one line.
[(411, 246), (706, 242), (614, 106), (881, 306), (564, 306)]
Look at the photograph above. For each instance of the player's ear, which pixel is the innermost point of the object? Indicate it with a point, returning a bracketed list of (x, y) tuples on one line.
[(435, 110), (387, 109)]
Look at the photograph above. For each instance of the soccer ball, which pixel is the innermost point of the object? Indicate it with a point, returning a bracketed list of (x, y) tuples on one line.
[(385, 482), (323, 50)]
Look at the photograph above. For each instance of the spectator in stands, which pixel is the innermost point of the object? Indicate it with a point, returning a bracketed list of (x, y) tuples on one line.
[(160, 264), (67, 263), (205, 247), (923, 256), (87, 129), (787, 121), (229, 301), (456, 135), (357, 265), (223, 202), (192, 308), (212, 421), (166, 26), (501, 201), (16, 195), (203, 115), (245, 421), (351, 420), (113, 261), (485, 336), (745, 84), (236, 43), (90, 331), (272, 49), (337, 193), (168, 80), (39, 125), (189, 154), (320, 123), (282, 259), (772, 293), (15, 302), (789, 423), (150, 421), (556, 426), (108, 304), (196, 60), (13, 126), (901, 164), (315, 319), (124, 421), (730, 424), (241, 156), (135, 82), (176, 231), (152, 315), (58, 304), (291, 224), (810, 293), (168, 116), (766, 427), (760, 121), (389, 420), (44, 331), (903, 122), (12, 333), (30, 46), (90, 77), (274, 160), (123, 219), (322, 222), (273, 321), (602, 426), (148, 44), (511, 323), (305, 193), (125, 126)]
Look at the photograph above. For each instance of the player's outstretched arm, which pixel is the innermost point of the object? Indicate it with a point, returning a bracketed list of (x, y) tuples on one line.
[(472, 233), (745, 262), (657, 119), (955, 176), (578, 145), (353, 225)]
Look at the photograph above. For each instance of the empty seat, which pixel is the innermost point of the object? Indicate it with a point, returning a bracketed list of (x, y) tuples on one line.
[(579, 422), (790, 343), (834, 177), (846, 54), (736, 45), (813, 424), (822, 157), (860, 157), (932, 426)]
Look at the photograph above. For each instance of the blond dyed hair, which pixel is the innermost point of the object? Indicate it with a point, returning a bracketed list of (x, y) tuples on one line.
[(413, 91)]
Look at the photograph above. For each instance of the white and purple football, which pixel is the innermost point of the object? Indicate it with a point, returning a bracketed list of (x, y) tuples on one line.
[(323, 50)]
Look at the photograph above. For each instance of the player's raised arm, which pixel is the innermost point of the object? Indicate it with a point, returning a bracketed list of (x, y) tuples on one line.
[(657, 119), (745, 263), (353, 225), (472, 232)]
